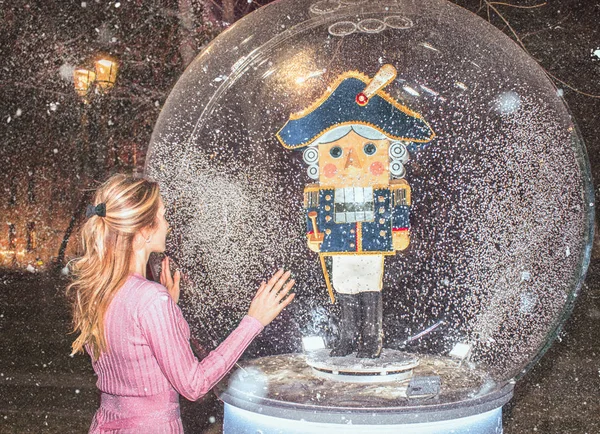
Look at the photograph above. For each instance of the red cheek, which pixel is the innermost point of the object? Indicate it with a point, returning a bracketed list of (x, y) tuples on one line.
[(377, 168), (329, 170)]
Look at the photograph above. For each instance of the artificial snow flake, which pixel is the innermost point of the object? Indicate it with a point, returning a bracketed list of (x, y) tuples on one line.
[(66, 71)]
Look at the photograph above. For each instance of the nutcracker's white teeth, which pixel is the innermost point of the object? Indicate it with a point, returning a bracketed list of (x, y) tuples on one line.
[(354, 195), (353, 204)]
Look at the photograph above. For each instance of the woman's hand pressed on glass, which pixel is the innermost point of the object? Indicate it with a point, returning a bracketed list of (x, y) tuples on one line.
[(272, 297), (168, 281)]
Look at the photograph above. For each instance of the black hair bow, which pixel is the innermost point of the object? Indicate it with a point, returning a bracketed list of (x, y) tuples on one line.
[(99, 210)]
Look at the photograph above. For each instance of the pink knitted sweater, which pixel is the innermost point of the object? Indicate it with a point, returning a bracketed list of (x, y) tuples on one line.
[(149, 361)]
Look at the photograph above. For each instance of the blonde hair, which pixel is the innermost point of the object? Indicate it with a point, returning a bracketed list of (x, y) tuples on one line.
[(131, 205)]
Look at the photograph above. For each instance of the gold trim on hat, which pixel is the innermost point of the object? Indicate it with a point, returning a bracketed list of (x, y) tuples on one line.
[(330, 89)]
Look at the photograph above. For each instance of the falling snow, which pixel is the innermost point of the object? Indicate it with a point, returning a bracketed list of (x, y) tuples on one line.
[(498, 225)]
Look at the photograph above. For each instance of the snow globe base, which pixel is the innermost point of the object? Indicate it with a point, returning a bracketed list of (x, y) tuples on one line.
[(392, 365), (284, 394)]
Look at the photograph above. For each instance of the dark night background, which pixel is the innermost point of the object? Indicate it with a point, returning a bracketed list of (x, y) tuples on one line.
[(54, 149)]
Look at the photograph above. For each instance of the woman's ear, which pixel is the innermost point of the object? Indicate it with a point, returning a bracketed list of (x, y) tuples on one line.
[(139, 240)]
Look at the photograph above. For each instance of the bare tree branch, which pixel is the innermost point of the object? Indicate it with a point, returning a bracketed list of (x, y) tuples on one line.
[(187, 44), (564, 83), (491, 6), (229, 11), (515, 34), (218, 6), (517, 6)]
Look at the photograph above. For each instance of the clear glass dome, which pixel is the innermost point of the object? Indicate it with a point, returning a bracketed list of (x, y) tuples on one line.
[(502, 203)]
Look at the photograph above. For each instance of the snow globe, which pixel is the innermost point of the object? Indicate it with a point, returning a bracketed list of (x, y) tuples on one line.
[(432, 197)]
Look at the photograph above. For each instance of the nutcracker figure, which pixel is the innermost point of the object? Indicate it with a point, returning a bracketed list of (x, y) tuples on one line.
[(356, 140)]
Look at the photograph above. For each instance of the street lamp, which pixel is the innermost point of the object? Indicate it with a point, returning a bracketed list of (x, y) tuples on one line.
[(83, 80), (106, 73), (101, 80)]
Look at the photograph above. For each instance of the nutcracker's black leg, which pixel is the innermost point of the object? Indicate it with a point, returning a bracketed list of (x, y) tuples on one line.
[(349, 322), (371, 338)]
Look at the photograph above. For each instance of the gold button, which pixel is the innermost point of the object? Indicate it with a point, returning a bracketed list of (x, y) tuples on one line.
[(381, 221), (381, 198), (328, 197), (381, 210), (382, 233), (327, 231), (351, 231), (327, 218), (327, 208)]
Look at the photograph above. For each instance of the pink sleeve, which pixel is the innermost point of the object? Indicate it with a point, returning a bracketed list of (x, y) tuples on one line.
[(168, 335)]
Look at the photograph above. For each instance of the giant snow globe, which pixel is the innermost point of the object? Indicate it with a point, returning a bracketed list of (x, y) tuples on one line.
[(420, 176)]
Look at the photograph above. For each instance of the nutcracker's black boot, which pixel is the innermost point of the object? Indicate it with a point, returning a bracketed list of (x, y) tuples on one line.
[(350, 317), (371, 338)]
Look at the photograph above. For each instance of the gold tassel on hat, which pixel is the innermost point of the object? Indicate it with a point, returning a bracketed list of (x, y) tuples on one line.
[(384, 76)]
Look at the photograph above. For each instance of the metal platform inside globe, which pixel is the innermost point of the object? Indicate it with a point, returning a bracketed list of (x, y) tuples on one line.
[(391, 365)]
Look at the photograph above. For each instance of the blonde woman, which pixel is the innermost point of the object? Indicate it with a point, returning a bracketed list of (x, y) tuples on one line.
[(132, 327)]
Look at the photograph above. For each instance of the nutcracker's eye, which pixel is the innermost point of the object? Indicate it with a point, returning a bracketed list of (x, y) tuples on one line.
[(369, 149), (335, 152)]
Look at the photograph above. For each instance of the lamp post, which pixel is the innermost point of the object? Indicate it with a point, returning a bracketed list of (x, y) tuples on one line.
[(88, 85)]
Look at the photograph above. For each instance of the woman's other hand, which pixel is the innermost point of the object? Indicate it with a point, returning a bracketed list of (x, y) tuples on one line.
[(168, 281), (271, 298)]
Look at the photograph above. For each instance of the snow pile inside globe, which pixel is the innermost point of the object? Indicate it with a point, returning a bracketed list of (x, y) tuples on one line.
[(498, 237)]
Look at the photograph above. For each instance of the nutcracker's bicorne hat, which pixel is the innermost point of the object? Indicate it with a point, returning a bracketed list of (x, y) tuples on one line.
[(354, 99)]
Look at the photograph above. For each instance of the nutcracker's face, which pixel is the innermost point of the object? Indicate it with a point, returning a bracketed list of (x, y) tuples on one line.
[(353, 161)]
